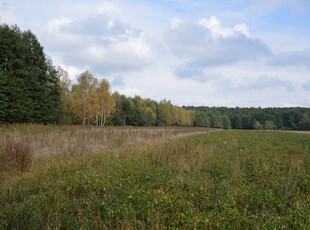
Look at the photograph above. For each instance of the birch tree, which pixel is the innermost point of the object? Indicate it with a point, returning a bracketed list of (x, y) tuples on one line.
[(84, 98), (105, 102)]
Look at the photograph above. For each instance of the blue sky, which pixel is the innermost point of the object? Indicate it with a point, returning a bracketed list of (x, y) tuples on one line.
[(193, 52)]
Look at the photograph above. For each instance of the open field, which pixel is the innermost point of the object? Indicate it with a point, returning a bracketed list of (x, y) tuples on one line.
[(75, 140), (301, 132), (218, 180)]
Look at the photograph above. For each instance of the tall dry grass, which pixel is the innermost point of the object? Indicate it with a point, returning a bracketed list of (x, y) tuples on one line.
[(15, 155), (76, 140)]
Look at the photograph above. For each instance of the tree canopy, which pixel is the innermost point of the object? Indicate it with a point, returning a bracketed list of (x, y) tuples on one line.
[(29, 86), (292, 118)]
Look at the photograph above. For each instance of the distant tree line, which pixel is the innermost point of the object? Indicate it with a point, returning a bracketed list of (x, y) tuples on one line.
[(32, 90), (91, 102), (293, 118)]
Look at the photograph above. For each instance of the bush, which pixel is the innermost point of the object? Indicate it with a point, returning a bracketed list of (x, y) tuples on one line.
[(15, 155)]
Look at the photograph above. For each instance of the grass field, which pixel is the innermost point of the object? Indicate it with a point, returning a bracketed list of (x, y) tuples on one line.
[(78, 140), (218, 180)]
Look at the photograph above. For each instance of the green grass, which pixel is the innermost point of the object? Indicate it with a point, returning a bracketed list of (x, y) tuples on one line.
[(219, 180)]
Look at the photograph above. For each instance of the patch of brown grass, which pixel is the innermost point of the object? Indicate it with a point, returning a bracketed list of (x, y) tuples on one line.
[(49, 141), (15, 155)]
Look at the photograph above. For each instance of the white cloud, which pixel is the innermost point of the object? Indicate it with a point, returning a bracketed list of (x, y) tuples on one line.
[(73, 71), (103, 44), (292, 58), (177, 52), (261, 83), (54, 25), (306, 86), (130, 92), (207, 44), (217, 30), (107, 8), (175, 23), (8, 14), (243, 29)]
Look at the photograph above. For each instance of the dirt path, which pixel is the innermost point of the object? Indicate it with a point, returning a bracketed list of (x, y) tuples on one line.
[(301, 132), (289, 131), (193, 133)]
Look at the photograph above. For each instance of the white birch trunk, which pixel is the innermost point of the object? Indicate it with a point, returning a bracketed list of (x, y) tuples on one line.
[(85, 106)]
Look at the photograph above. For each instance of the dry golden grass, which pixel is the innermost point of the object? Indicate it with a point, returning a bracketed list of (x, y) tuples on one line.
[(290, 131), (76, 140)]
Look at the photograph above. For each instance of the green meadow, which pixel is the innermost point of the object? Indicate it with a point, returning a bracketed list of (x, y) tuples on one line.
[(228, 179)]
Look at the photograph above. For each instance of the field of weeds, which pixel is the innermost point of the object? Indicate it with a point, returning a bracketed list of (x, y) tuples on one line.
[(46, 141), (218, 180)]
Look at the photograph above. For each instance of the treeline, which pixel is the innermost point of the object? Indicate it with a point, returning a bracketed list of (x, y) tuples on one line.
[(32, 90), (293, 118), (91, 102)]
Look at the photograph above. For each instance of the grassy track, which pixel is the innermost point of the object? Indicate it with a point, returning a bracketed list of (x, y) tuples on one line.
[(220, 180)]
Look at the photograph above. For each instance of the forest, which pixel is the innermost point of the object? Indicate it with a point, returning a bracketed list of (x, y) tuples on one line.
[(32, 90), (291, 118)]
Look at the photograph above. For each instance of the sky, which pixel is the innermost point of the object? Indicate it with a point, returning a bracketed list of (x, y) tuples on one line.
[(245, 53)]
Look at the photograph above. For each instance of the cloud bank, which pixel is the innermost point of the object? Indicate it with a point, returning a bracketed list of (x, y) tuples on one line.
[(100, 43), (293, 58), (237, 53)]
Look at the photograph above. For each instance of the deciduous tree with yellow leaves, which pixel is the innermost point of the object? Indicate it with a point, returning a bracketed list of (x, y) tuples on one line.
[(105, 102), (84, 98)]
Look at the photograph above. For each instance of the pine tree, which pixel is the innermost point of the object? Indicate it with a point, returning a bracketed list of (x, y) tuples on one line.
[(126, 110), (3, 97), (29, 86)]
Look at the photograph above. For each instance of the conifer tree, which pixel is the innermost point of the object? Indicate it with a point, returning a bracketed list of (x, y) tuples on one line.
[(29, 87), (3, 97)]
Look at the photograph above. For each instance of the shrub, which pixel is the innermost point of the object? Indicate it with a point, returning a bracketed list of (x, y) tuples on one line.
[(15, 155)]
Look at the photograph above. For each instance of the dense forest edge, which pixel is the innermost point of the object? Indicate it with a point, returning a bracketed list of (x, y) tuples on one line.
[(32, 90)]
